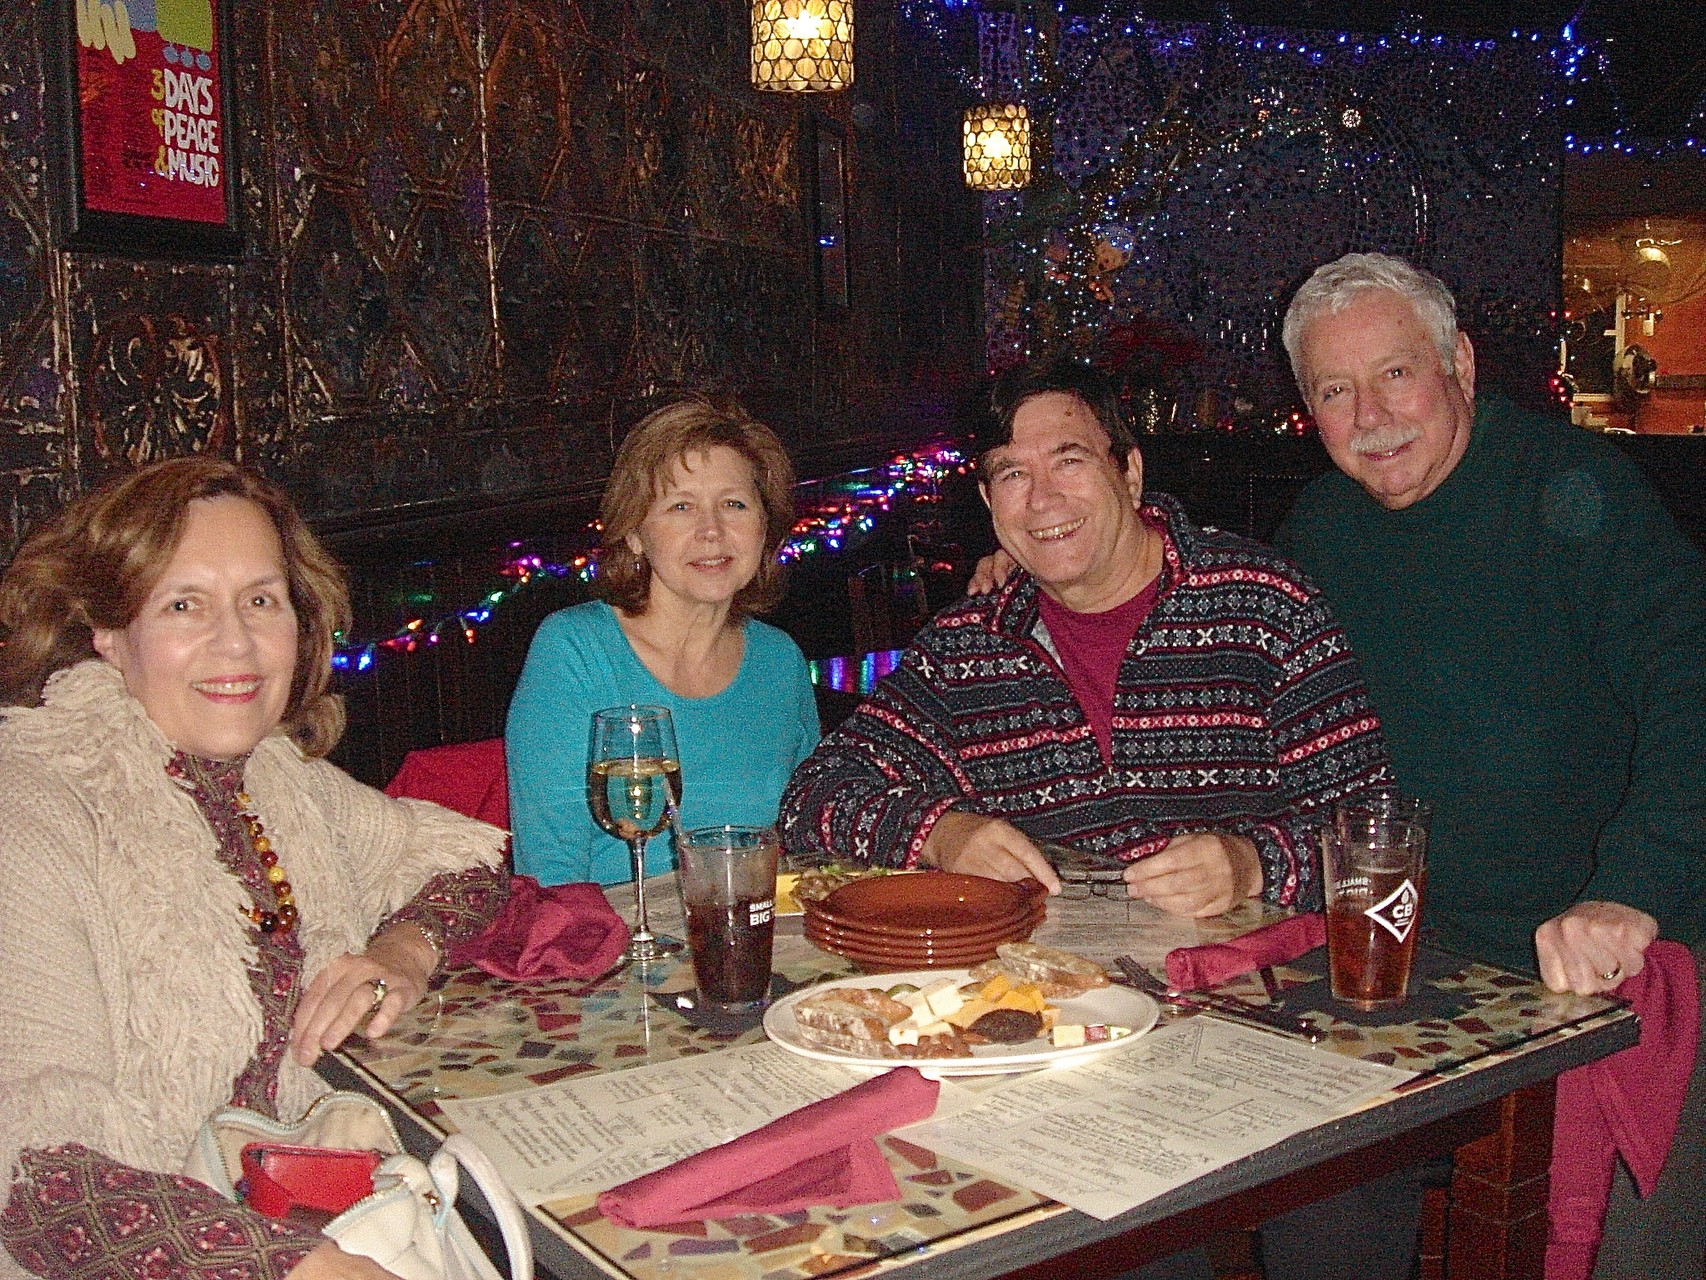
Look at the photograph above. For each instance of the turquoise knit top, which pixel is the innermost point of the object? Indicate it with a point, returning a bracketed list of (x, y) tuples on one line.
[(738, 747)]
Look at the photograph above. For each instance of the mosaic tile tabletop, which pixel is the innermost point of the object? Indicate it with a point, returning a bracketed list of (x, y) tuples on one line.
[(477, 1036)]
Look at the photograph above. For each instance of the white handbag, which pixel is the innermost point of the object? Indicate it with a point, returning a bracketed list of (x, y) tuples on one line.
[(409, 1225)]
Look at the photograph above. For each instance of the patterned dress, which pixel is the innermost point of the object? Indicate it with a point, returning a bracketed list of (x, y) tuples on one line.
[(74, 1212)]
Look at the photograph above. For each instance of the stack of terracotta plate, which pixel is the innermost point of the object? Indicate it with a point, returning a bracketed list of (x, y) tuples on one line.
[(932, 920)]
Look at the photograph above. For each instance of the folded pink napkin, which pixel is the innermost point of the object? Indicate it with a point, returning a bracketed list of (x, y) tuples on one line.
[(558, 931), (821, 1155), (1625, 1105), (1192, 968)]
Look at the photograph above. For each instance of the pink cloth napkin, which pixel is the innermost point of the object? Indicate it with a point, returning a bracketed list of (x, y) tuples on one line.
[(1192, 968), (1625, 1105), (559, 931), (823, 1154), (469, 777)]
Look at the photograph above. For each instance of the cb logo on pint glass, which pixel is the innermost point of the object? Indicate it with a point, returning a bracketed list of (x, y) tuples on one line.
[(1396, 912)]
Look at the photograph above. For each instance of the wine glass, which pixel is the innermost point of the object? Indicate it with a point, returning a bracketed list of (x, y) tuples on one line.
[(633, 785)]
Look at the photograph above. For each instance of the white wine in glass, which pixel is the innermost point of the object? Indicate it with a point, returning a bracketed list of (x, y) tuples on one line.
[(633, 786)]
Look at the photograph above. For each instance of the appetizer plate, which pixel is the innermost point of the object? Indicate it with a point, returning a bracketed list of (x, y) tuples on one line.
[(1111, 1006)]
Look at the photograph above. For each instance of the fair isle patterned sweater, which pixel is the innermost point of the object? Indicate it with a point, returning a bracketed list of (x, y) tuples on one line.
[(1239, 708)]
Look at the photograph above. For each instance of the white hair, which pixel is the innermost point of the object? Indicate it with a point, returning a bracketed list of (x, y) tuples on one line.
[(1335, 286)]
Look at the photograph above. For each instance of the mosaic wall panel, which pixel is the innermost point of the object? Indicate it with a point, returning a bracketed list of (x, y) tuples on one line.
[(483, 236), (1208, 169)]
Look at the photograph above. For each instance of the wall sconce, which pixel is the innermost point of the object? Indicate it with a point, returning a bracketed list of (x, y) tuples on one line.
[(802, 46), (998, 146)]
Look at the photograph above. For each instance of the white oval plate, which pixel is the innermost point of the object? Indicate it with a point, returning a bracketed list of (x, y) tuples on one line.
[(1110, 1006)]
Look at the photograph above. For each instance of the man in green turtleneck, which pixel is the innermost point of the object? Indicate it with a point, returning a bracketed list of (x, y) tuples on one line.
[(1532, 627)]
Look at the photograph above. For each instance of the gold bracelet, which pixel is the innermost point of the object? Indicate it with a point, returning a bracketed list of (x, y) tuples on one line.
[(430, 937)]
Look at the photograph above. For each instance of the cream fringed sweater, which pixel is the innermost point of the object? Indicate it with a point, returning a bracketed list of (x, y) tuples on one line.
[(125, 1006)]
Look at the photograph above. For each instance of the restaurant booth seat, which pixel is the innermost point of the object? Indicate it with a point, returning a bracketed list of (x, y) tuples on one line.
[(417, 690), (888, 605), (469, 777)]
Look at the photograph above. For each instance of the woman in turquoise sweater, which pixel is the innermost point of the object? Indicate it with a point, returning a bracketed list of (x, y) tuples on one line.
[(694, 513)]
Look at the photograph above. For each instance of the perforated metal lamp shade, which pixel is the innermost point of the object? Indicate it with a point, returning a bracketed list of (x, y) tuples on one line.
[(802, 46), (997, 146)]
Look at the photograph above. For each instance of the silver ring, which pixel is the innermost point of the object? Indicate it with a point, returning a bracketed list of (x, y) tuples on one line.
[(378, 985), (1615, 972)]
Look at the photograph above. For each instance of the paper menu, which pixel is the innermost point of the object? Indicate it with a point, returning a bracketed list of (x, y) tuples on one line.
[(1102, 1137), (589, 1133), (1107, 1136), (1103, 928)]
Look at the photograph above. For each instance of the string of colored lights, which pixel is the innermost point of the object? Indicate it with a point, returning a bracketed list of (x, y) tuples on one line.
[(1591, 105), (832, 513)]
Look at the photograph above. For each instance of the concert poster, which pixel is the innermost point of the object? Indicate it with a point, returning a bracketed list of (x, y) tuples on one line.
[(153, 160)]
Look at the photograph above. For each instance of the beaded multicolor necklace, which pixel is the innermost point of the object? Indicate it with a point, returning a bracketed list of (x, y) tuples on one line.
[(282, 920), (203, 775)]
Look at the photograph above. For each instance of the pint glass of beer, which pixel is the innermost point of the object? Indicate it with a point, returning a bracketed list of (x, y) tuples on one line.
[(1374, 855)]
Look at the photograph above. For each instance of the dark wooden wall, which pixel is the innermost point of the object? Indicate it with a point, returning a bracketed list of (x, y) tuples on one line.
[(455, 692)]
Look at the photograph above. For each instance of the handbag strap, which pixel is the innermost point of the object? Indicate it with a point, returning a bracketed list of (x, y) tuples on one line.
[(460, 1149), (336, 1119)]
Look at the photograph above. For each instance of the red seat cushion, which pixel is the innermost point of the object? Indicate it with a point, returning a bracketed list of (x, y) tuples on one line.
[(469, 777)]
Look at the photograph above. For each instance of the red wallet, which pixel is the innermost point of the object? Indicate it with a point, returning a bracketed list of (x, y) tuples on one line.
[(278, 1179)]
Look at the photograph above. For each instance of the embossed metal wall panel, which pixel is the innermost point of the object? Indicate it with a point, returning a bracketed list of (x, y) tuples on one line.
[(483, 236)]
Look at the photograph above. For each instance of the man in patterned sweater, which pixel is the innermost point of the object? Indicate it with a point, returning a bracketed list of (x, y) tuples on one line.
[(1173, 696)]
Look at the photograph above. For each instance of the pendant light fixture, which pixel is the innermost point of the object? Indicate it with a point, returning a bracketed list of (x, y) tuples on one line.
[(997, 146), (802, 46), (997, 135)]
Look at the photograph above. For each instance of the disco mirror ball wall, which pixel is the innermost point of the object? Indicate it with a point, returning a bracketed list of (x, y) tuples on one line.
[(1201, 172)]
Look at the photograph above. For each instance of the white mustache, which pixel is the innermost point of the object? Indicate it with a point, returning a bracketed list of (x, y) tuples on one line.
[(1385, 439)]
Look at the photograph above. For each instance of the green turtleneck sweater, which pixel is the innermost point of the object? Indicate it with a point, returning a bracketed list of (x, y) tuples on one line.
[(1533, 634)]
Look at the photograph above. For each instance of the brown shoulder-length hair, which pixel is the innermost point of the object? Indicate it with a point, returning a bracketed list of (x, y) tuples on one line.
[(92, 565), (658, 443)]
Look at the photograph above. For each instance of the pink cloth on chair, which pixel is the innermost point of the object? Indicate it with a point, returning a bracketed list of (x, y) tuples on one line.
[(824, 1154), (1192, 968), (1625, 1105), (469, 777), (555, 931)]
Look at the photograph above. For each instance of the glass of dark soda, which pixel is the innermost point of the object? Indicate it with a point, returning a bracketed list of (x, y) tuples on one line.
[(728, 891)]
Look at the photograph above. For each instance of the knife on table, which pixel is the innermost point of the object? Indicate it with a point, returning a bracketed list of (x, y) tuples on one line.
[(1223, 1005)]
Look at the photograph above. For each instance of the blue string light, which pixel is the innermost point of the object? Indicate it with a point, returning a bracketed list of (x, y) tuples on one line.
[(835, 512), (1581, 63)]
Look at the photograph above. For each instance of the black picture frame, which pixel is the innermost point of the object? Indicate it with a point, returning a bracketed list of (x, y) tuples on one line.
[(88, 224), (826, 157)]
